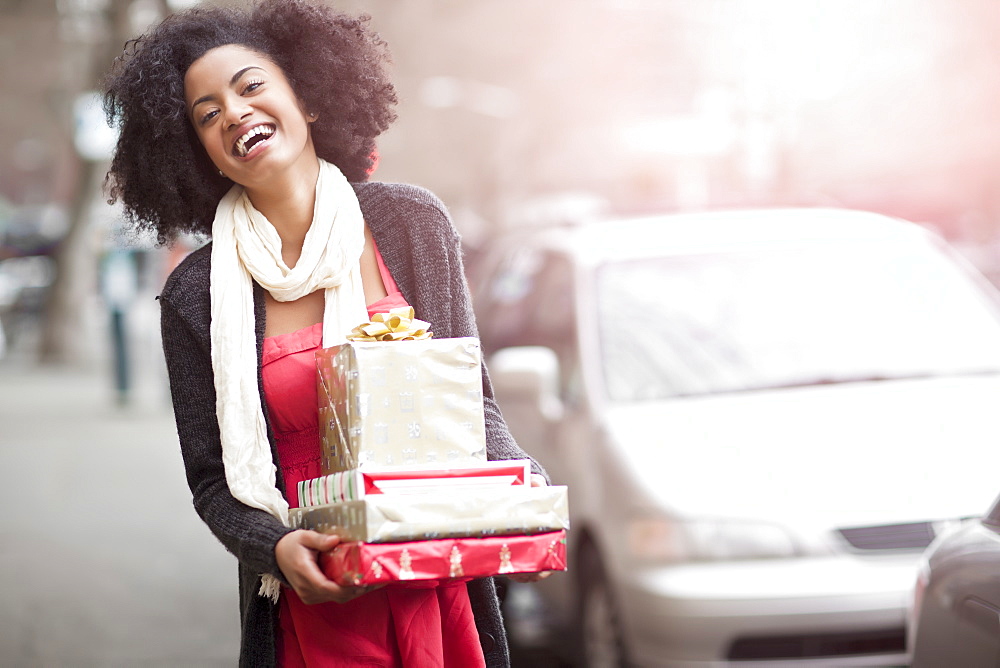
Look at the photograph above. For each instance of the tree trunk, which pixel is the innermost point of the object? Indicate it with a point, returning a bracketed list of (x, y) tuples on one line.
[(65, 330)]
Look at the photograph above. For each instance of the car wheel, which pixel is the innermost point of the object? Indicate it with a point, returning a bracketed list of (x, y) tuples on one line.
[(602, 644)]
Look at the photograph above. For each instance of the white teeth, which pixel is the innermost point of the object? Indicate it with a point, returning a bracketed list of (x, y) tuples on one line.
[(253, 132)]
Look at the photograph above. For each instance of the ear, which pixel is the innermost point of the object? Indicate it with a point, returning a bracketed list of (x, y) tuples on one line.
[(311, 117)]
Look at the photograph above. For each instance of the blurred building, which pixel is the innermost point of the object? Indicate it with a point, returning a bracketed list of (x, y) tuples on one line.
[(648, 104)]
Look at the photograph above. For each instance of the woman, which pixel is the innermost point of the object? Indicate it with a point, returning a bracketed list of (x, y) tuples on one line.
[(258, 127)]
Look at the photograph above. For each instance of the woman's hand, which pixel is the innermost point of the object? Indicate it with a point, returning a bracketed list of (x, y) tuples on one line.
[(297, 554), (536, 481)]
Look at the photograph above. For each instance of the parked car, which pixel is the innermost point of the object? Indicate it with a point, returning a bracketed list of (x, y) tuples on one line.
[(763, 418), (955, 618)]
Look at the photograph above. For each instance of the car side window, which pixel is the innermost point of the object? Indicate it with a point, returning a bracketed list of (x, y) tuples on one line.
[(529, 301), (553, 321), (505, 312)]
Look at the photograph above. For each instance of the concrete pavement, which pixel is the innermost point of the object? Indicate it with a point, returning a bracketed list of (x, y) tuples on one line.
[(103, 561)]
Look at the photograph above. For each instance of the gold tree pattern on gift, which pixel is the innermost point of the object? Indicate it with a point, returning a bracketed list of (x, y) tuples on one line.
[(505, 565), (456, 563), (406, 566)]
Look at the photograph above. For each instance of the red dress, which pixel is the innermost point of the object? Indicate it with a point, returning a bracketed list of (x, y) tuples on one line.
[(411, 626)]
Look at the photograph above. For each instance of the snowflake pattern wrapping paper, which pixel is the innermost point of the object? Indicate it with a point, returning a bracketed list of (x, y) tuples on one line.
[(401, 404)]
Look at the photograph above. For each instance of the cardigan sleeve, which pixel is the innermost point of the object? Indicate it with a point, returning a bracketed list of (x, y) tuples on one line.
[(416, 234), (248, 533), (499, 441)]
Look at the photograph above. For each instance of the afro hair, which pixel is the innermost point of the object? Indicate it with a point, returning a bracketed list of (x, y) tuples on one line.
[(160, 172)]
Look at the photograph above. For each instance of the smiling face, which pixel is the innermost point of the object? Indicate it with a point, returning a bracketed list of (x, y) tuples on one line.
[(246, 115)]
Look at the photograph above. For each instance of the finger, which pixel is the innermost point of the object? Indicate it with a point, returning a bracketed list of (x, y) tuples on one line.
[(312, 576), (304, 572), (538, 480), (321, 542), (336, 593), (317, 588), (357, 592), (526, 578), (309, 581)]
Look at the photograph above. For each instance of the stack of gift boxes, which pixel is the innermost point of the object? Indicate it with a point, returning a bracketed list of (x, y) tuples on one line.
[(405, 482)]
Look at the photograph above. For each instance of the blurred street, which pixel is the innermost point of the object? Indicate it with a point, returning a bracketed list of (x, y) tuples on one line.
[(104, 561), (798, 349)]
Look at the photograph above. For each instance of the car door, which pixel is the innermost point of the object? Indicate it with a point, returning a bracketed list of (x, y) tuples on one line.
[(529, 307), (529, 301)]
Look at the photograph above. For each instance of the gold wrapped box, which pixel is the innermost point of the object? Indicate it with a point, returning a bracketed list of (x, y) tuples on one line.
[(384, 518), (401, 404)]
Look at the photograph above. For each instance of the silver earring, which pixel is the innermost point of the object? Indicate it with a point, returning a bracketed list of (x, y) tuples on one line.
[(222, 174)]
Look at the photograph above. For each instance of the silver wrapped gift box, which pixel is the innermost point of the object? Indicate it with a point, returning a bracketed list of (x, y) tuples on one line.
[(401, 404), (385, 518)]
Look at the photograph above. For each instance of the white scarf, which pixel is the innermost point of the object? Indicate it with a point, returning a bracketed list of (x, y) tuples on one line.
[(244, 245)]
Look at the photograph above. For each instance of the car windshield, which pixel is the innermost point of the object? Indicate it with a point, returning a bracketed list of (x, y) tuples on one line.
[(830, 312)]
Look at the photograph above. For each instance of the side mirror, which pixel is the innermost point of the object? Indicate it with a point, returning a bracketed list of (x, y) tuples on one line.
[(527, 374)]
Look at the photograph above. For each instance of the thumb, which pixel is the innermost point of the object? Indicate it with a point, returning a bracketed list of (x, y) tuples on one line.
[(319, 541)]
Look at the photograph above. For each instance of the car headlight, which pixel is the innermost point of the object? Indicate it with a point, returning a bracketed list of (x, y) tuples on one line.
[(669, 540)]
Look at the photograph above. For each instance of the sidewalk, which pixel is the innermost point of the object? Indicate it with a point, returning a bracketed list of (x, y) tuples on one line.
[(103, 561)]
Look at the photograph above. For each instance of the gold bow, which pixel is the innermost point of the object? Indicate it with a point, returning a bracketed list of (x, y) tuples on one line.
[(396, 325)]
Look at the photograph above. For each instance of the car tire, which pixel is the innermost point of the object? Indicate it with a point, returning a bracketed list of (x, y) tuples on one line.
[(601, 642)]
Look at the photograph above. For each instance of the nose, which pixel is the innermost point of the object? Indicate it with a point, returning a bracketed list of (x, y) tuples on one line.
[(237, 111)]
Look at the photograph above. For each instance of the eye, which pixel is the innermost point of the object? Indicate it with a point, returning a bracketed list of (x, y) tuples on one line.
[(252, 85), (205, 118)]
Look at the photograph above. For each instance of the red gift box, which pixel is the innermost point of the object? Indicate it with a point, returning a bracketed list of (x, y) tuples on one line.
[(356, 484), (357, 563)]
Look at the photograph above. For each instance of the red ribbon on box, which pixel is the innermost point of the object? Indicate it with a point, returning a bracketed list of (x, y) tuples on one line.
[(357, 563)]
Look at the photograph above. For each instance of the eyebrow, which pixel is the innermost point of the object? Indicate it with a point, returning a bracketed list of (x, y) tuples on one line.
[(232, 82)]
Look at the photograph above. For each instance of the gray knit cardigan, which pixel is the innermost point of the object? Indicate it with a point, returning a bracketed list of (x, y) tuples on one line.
[(422, 252)]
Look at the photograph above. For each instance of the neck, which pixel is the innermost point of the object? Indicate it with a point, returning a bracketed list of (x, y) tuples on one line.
[(288, 203)]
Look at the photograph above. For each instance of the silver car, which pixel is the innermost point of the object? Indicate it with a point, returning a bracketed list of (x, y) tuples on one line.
[(763, 418), (955, 618)]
